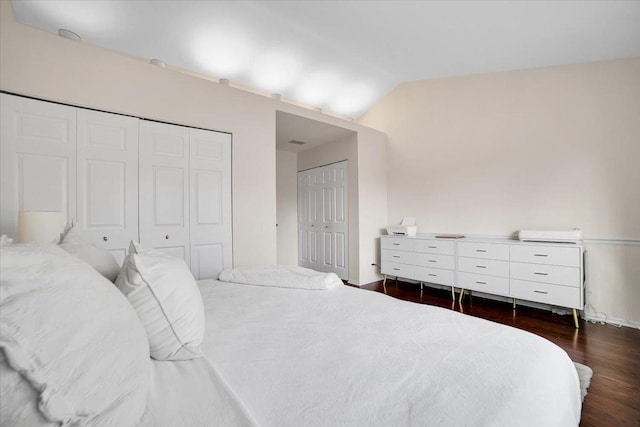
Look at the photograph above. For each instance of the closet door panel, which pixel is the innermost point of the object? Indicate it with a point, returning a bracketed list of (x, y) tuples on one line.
[(210, 213), (38, 159), (339, 223), (108, 179), (164, 188)]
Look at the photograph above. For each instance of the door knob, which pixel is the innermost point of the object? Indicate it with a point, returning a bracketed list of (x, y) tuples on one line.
[(166, 237), (105, 238)]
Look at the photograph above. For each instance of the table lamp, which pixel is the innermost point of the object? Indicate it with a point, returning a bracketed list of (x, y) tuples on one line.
[(40, 227)]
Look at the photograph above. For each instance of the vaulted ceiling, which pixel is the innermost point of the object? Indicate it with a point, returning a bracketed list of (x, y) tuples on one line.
[(343, 56)]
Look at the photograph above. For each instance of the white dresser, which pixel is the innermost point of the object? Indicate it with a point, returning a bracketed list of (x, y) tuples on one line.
[(550, 273)]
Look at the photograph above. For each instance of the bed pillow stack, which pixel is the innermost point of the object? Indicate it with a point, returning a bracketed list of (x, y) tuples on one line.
[(97, 257), (73, 349), (165, 295)]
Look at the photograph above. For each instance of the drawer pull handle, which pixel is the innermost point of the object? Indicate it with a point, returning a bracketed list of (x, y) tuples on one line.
[(432, 260), (481, 266), (396, 244), (434, 275), (540, 255), (432, 247), (541, 292), (396, 256), (396, 269), (481, 250), (541, 274), (482, 283)]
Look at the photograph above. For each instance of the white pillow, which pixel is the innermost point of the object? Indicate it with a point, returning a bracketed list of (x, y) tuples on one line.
[(97, 257), (166, 297), (73, 338)]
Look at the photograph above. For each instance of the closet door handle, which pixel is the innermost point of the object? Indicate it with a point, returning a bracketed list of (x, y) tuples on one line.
[(166, 237), (105, 238)]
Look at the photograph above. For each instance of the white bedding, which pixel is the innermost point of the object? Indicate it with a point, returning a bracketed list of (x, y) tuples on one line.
[(350, 357), (282, 276), (191, 393)]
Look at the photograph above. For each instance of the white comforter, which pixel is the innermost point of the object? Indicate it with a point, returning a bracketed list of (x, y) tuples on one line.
[(350, 357)]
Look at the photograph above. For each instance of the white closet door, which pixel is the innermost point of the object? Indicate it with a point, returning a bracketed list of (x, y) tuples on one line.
[(164, 188), (108, 179), (210, 202), (38, 150), (323, 220), (334, 223)]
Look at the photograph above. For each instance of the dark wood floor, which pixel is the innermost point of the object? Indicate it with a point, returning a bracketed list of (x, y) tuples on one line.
[(613, 353)]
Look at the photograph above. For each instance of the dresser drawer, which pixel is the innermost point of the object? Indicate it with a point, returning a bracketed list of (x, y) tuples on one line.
[(397, 243), (399, 270), (564, 296), (400, 257), (569, 257), (441, 247), (484, 250), (558, 275), (482, 283), (435, 275), (437, 261), (489, 267)]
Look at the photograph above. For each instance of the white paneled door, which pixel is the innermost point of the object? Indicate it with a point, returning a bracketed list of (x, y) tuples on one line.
[(164, 188), (108, 179), (323, 220), (38, 150), (210, 202)]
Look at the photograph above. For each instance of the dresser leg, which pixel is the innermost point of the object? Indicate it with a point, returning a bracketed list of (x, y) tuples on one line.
[(421, 286), (575, 318), (514, 303), (384, 282), (461, 295), (453, 293)]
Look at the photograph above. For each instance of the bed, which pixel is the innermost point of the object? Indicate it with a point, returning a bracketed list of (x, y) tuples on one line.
[(287, 356)]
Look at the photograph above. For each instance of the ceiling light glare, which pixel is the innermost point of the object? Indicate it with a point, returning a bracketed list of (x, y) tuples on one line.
[(317, 87), (275, 71), (353, 98), (223, 52), (86, 17)]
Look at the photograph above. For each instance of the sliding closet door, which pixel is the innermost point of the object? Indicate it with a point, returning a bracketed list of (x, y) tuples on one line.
[(323, 220), (108, 179), (38, 150), (164, 188), (210, 202)]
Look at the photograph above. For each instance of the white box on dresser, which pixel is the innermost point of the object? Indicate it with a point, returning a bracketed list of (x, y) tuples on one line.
[(549, 273)]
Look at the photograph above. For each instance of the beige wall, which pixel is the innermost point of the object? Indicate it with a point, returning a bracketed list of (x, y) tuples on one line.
[(551, 147), (287, 206), (43, 65)]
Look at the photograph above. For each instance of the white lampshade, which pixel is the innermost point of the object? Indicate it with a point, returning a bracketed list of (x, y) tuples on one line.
[(40, 227)]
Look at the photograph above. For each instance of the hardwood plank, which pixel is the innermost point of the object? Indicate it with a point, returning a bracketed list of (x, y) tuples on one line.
[(613, 353)]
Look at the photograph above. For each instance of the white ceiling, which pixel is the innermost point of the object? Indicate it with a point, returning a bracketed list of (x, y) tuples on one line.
[(343, 56)]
